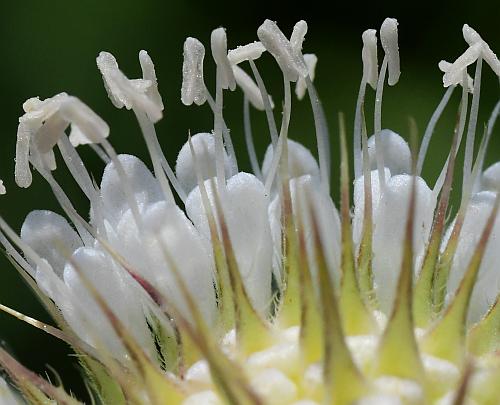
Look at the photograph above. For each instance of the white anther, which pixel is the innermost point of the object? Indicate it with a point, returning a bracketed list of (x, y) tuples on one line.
[(389, 39), (369, 57), (472, 37), (106, 64), (292, 64), (250, 88), (445, 67), (141, 94), (193, 86), (43, 124), (218, 42), (300, 88), (246, 52), (87, 126), (455, 72), (298, 35), (149, 74)]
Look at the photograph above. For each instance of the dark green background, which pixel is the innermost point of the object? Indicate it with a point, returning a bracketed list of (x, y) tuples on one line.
[(50, 46)]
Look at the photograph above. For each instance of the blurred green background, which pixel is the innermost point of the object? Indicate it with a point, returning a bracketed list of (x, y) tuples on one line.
[(50, 46)]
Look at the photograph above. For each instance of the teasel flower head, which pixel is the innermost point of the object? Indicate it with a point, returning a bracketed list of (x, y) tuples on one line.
[(203, 284)]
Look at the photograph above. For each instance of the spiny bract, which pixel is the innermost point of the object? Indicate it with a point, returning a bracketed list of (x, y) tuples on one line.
[(259, 291)]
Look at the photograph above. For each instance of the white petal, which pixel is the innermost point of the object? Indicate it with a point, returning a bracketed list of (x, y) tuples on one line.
[(389, 39), (487, 285), (245, 211), (278, 45), (120, 294), (144, 186), (2, 188), (274, 387), (218, 43), (359, 201), (306, 189), (204, 148), (50, 235), (397, 155), (491, 178), (329, 222), (193, 86), (389, 231), (168, 232), (300, 160)]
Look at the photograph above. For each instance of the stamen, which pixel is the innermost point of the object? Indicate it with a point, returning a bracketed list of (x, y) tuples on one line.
[(267, 105), (370, 76), (154, 150), (389, 39), (250, 89), (228, 143), (98, 150), (251, 51), (430, 127), (445, 67), (310, 60), (454, 73), (472, 37), (298, 35), (149, 73), (322, 136), (280, 158), (378, 125), (218, 42), (193, 86), (249, 139), (219, 145), (369, 57), (471, 129), (461, 126), (79, 172), (279, 46), (22, 170), (224, 80), (134, 94)]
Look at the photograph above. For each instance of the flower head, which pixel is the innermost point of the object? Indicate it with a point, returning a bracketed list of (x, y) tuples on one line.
[(203, 284)]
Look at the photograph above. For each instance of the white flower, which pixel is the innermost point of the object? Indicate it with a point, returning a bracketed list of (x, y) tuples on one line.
[(252, 288)]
